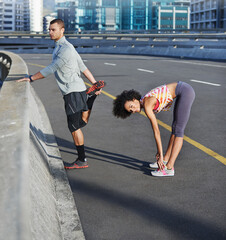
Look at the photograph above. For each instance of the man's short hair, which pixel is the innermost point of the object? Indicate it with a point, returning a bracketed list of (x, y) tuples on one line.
[(58, 21)]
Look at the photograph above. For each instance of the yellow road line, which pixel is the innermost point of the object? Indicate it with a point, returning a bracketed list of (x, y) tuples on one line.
[(167, 127), (206, 150), (37, 65)]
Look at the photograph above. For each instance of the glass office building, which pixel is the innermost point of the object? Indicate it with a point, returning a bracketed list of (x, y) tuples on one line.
[(66, 11), (136, 14), (169, 14), (109, 14), (124, 14), (89, 14)]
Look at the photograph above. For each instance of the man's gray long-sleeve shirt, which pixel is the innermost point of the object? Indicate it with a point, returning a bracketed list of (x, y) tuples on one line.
[(67, 66)]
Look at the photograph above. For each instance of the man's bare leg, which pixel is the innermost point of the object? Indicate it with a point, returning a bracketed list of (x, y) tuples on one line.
[(78, 137)]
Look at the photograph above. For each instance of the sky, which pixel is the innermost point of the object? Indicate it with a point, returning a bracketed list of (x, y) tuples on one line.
[(48, 6)]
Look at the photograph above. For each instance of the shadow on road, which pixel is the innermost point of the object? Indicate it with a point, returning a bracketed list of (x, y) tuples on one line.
[(106, 156)]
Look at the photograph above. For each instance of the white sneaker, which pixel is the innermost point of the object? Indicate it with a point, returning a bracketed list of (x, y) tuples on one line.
[(163, 173), (155, 165)]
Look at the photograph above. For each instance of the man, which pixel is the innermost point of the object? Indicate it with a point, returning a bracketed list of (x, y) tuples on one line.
[(67, 66)]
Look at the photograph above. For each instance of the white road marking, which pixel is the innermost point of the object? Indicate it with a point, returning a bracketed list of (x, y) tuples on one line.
[(196, 63), (111, 64), (144, 70), (213, 84)]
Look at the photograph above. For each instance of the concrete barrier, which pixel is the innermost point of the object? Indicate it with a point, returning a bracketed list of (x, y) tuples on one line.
[(207, 46), (36, 201)]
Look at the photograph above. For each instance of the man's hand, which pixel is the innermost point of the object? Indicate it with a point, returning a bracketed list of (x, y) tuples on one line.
[(31, 78), (98, 92), (23, 79)]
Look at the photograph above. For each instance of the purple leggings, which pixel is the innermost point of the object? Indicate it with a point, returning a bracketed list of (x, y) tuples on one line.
[(185, 96)]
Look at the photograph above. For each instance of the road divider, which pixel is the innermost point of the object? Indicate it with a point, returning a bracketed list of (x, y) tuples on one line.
[(145, 70), (207, 83)]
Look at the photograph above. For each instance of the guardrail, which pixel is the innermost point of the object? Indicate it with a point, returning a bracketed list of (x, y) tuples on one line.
[(36, 201), (148, 31), (201, 46)]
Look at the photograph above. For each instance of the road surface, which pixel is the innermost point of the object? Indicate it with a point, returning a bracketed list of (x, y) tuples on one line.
[(116, 196)]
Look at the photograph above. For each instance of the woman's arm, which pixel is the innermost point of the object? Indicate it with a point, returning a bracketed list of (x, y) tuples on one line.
[(149, 104)]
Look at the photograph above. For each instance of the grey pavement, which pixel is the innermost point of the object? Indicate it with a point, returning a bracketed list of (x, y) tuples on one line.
[(116, 196)]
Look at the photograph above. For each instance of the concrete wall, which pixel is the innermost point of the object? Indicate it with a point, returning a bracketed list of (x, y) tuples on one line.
[(36, 201)]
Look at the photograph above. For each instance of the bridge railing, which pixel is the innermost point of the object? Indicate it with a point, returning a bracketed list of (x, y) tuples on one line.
[(129, 31), (210, 46)]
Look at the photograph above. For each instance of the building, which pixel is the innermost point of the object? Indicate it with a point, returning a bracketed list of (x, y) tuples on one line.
[(151, 14), (171, 14), (136, 14), (77, 14), (66, 10), (108, 15), (124, 14), (103, 14), (208, 14), (46, 21), (21, 15), (36, 15), (89, 14), (11, 15)]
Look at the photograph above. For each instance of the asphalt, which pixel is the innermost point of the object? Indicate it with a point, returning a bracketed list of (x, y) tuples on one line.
[(116, 196)]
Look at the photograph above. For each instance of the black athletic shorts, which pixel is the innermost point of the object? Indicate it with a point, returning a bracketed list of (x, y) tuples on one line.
[(75, 104)]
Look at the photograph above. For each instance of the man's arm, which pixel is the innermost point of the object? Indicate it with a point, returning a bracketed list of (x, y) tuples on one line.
[(34, 77), (89, 76), (45, 72)]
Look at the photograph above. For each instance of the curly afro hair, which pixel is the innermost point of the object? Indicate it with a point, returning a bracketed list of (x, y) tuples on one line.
[(119, 110)]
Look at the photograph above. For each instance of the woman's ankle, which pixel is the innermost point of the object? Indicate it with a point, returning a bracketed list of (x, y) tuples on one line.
[(169, 166)]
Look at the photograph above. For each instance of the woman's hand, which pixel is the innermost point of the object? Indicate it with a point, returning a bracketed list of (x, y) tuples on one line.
[(157, 156), (160, 163)]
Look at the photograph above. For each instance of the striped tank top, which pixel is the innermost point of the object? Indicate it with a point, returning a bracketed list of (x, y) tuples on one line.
[(163, 96)]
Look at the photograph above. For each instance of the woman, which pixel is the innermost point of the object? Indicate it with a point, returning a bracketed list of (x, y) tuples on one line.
[(160, 99)]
